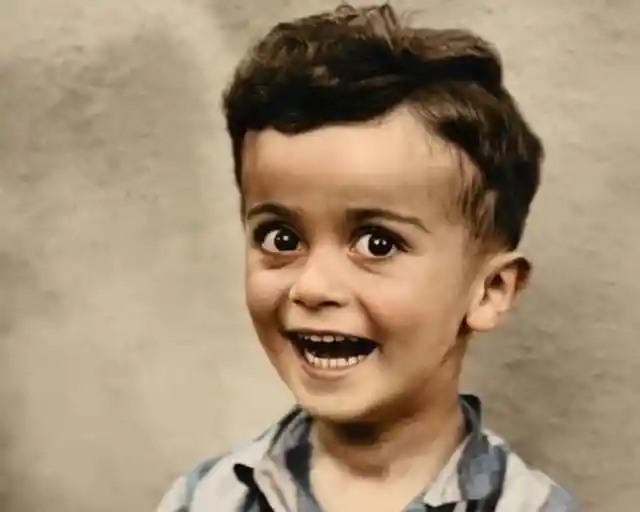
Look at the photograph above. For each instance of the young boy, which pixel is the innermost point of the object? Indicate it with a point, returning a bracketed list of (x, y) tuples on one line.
[(385, 176)]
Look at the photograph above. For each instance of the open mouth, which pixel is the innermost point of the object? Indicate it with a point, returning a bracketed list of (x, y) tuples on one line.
[(332, 350)]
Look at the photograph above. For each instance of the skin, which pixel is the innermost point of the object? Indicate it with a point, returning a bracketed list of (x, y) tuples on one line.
[(349, 229)]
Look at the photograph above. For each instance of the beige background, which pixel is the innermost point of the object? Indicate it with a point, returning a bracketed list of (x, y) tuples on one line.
[(126, 355)]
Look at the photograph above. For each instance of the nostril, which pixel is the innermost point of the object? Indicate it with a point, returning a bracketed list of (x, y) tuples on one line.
[(315, 289), (315, 304)]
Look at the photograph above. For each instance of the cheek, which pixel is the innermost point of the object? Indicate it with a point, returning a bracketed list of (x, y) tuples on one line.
[(265, 290), (416, 301)]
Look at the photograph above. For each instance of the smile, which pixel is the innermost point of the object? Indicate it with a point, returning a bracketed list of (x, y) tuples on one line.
[(331, 350)]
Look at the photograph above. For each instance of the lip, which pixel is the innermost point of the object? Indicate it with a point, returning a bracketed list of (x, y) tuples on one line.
[(324, 374), (329, 374)]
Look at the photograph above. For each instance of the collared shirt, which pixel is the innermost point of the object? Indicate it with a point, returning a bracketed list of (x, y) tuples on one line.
[(271, 474)]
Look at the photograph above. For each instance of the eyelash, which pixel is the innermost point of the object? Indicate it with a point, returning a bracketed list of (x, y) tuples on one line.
[(374, 229), (262, 230)]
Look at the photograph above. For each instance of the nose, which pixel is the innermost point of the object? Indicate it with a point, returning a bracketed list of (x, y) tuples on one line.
[(320, 283)]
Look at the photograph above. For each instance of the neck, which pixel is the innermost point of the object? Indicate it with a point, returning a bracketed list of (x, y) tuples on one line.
[(418, 444)]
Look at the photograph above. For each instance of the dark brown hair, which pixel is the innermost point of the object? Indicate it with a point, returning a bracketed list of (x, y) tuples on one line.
[(358, 64)]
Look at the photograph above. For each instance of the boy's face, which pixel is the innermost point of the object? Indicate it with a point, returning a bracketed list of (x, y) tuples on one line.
[(348, 236)]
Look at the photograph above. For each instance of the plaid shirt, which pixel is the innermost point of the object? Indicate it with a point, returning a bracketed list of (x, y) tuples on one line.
[(272, 475)]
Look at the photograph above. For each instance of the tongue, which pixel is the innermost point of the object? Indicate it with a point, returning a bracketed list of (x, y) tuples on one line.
[(343, 349)]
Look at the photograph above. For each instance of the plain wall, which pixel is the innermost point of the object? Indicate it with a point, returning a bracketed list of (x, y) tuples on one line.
[(126, 354)]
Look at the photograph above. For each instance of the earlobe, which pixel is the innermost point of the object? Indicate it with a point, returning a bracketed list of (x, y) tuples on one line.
[(496, 289)]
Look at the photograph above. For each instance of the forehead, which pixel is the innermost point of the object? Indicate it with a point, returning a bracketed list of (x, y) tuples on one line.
[(392, 161)]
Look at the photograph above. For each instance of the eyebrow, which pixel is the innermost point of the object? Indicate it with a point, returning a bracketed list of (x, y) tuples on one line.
[(272, 208), (359, 215), (355, 215)]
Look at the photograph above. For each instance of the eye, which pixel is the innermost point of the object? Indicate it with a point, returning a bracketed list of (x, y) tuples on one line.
[(276, 238), (377, 243)]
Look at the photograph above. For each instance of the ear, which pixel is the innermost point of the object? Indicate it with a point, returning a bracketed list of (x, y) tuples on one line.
[(504, 276)]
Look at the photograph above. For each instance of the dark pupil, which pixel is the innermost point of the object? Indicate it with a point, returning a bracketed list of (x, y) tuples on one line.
[(380, 246), (285, 241)]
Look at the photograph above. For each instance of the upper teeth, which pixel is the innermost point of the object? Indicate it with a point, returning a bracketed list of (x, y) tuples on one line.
[(327, 338)]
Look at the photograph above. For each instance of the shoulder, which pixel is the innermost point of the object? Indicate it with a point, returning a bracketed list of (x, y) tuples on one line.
[(213, 481), (527, 489)]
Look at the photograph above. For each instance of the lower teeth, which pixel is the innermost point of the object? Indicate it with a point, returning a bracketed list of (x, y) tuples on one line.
[(339, 362)]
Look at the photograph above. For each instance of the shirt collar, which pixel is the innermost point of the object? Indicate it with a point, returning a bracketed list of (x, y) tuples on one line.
[(476, 469), (474, 472)]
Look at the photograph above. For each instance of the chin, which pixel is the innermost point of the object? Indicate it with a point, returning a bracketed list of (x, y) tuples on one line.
[(337, 409)]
